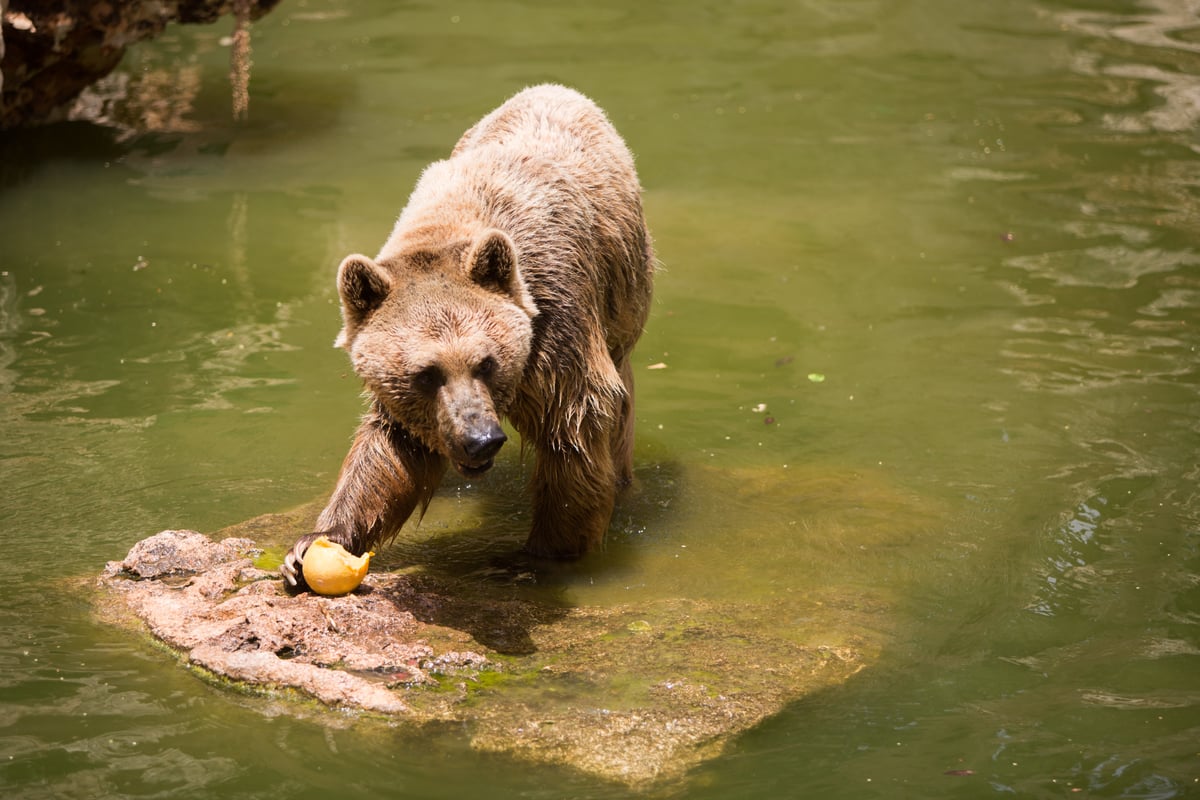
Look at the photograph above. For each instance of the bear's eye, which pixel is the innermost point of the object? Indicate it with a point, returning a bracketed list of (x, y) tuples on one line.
[(429, 380), (487, 368)]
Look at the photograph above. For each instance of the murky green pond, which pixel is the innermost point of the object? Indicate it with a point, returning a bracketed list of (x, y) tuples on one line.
[(926, 328)]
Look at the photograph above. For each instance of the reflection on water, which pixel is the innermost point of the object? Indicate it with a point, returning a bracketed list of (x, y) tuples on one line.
[(1075, 560), (1108, 267), (1167, 38), (976, 221), (10, 325), (159, 100)]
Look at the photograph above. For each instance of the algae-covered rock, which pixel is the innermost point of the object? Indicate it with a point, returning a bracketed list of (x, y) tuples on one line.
[(633, 692), (627, 693)]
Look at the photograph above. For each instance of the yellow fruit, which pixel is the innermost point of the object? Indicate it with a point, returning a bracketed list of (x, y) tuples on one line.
[(330, 570)]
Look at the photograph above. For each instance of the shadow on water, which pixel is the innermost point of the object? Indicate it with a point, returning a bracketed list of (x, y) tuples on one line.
[(143, 118), (472, 540), (466, 565), (24, 152), (497, 622), (478, 531)]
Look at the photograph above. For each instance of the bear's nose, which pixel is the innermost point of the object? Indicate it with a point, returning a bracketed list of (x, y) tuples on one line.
[(482, 445)]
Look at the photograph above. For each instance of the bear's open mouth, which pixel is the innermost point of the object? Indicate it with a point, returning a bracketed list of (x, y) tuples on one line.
[(473, 471)]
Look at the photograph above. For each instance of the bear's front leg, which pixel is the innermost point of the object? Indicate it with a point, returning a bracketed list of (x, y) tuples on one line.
[(573, 498), (385, 476)]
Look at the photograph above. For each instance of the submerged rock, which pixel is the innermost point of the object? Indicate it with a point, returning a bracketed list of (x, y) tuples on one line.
[(638, 685), (628, 693)]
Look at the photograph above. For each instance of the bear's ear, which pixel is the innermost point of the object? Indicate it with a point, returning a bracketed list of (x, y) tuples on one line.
[(363, 287), (492, 264)]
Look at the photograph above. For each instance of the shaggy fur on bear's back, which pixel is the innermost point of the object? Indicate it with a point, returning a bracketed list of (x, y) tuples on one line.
[(515, 283), (549, 169)]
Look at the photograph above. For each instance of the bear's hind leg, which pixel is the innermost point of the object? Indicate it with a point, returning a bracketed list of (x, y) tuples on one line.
[(573, 497)]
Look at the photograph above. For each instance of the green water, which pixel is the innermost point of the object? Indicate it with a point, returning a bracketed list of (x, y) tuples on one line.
[(978, 222)]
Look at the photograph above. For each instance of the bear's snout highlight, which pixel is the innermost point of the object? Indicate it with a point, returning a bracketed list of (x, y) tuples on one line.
[(480, 446), (484, 444)]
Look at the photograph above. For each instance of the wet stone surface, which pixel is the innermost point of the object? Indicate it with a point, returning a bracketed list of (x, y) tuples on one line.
[(633, 694)]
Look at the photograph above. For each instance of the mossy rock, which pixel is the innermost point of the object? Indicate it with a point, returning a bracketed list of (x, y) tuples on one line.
[(633, 692)]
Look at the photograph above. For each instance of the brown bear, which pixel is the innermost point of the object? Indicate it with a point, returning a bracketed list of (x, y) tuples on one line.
[(514, 285)]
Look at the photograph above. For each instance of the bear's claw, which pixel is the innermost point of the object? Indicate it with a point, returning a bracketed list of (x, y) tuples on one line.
[(292, 567)]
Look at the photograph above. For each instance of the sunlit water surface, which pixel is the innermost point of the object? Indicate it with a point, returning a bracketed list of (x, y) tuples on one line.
[(939, 258)]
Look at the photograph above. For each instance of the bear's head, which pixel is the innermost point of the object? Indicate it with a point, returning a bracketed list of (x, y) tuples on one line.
[(440, 336)]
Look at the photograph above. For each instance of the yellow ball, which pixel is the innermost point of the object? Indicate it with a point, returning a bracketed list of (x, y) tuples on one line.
[(330, 570)]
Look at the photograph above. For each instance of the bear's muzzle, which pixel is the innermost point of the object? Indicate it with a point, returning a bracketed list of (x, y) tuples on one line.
[(479, 448)]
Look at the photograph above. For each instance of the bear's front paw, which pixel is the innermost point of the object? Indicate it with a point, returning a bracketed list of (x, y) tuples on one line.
[(292, 567)]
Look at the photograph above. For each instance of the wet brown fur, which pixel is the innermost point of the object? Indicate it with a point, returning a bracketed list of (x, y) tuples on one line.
[(515, 284)]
